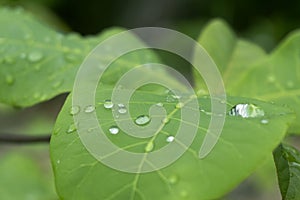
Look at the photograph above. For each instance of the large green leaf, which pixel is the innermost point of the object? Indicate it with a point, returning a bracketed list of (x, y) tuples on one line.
[(37, 63), (287, 160), (243, 145), (232, 55), (247, 71)]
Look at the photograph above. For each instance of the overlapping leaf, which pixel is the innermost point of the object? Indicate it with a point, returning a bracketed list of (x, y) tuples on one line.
[(247, 71), (243, 145)]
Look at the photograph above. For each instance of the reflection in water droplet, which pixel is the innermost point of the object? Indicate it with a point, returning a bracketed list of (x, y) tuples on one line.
[(264, 121), (246, 111), (121, 108), (9, 79), (142, 120), (170, 138), (35, 56), (173, 179), (72, 128), (160, 104), (114, 130), (179, 105), (108, 104), (74, 110), (89, 109), (149, 147)]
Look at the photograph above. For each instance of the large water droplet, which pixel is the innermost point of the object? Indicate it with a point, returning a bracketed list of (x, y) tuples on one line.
[(114, 130), (122, 108), (74, 110), (89, 109), (35, 56), (142, 120), (149, 147), (179, 105), (108, 104), (72, 128), (246, 111), (170, 138), (9, 79)]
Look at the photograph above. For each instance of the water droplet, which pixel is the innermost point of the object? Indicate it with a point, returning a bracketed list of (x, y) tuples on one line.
[(74, 110), (57, 84), (173, 179), (176, 96), (271, 78), (114, 130), (108, 104), (122, 108), (170, 98), (149, 147), (160, 104), (264, 121), (71, 128), (170, 138), (89, 109), (246, 111), (179, 105), (142, 120), (9, 79), (35, 56), (165, 120)]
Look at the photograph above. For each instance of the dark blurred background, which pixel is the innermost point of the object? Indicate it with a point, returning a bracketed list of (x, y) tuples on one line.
[(264, 22)]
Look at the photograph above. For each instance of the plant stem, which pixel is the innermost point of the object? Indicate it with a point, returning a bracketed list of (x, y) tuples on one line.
[(25, 139)]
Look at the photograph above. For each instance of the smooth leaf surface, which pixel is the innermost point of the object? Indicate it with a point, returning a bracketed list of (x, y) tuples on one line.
[(243, 145), (287, 160), (38, 63), (247, 71)]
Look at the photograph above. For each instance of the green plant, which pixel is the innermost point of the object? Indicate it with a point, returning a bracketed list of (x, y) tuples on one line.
[(44, 62)]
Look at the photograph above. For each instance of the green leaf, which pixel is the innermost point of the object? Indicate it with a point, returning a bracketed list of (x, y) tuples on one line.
[(247, 71), (38, 63), (277, 78), (243, 145), (287, 160), (21, 178), (232, 55)]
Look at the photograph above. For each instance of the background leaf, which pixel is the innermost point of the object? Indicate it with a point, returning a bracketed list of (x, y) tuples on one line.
[(247, 71), (287, 160), (243, 145)]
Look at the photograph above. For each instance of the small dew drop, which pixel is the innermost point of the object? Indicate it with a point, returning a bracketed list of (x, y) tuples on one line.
[(149, 147), (74, 110), (108, 104), (142, 120), (114, 130), (165, 120), (173, 179), (246, 111), (122, 108), (35, 56), (179, 105), (9, 79), (271, 78), (264, 121), (170, 139), (89, 109), (160, 104), (72, 128)]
